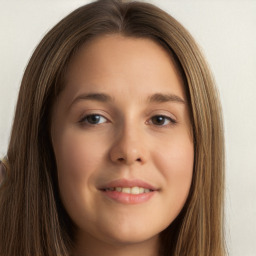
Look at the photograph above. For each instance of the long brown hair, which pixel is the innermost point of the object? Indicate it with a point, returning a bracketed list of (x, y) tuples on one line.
[(32, 218)]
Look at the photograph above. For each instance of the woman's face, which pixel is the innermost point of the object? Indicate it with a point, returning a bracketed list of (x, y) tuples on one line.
[(122, 138)]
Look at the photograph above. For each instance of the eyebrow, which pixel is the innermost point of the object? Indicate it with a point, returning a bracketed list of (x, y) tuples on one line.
[(155, 98), (161, 98), (101, 97)]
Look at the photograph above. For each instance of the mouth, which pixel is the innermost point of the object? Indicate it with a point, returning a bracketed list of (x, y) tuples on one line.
[(128, 191)]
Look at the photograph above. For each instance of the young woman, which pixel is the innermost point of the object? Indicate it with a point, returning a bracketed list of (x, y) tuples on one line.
[(117, 143)]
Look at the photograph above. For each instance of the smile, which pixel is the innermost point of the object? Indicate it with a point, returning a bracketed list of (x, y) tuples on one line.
[(127, 190)]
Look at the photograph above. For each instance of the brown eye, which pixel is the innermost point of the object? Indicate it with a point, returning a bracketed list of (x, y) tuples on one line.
[(93, 119), (162, 120)]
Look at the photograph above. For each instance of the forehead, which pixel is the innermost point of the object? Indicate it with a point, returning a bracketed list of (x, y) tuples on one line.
[(123, 64)]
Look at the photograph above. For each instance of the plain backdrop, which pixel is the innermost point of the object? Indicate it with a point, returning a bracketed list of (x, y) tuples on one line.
[(226, 32)]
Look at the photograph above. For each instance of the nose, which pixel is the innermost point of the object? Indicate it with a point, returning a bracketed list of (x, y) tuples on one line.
[(128, 148)]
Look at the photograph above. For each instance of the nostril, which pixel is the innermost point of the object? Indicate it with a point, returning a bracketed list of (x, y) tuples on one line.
[(120, 159)]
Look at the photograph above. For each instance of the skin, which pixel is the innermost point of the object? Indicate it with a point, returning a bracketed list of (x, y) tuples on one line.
[(128, 142)]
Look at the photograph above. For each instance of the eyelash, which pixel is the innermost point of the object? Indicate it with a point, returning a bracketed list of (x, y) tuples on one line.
[(84, 120), (171, 121)]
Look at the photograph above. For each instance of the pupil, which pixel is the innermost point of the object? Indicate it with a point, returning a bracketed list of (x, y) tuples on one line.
[(93, 119), (158, 120)]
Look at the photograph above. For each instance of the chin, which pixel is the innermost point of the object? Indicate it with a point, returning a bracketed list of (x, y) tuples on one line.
[(128, 235), (129, 239)]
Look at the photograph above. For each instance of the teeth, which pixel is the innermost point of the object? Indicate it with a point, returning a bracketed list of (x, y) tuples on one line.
[(141, 190), (126, 190), (133, 190), (118, 189)]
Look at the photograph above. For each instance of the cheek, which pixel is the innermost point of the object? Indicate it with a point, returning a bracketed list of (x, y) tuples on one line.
[(79, 159), (77, 154), (175, 157), (175, 161)]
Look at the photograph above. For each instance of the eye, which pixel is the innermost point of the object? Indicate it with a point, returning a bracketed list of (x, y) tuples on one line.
[(93, 119), (161, 120)]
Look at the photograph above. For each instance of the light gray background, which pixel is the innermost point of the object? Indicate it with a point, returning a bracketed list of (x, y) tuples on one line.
[(226, 31)]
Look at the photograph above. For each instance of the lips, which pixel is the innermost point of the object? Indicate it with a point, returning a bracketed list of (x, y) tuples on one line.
[(128, 191), (132, 190), (123, 183)]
